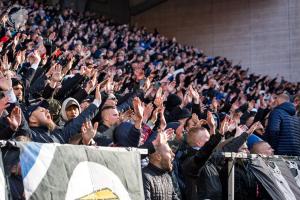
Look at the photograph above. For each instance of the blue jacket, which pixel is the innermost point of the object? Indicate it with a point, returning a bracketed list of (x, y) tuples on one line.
[(283, 130)]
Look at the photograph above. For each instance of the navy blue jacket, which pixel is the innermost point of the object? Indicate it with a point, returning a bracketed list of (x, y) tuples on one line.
[(61, 135), (283, 130)]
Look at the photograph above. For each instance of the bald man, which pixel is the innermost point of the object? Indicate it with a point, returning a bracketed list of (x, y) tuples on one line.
[(157, 180), (283, 129), (110, 117)]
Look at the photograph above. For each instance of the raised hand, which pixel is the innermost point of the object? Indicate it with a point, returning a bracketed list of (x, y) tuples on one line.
[(159, 101), (127, 115), (138, 108), (147, 112), (19, 59), (147, 84), (56, 73), (3, 104), (91, 83), (52, 36), (51, 70), (210, 120), (160, 139), (88, 132), (109, 85), (195, 95), (4, 63), (15, 118), (224, 125), (169, 134), (16, 39), (159, 92), (36, 56), (4, 19), (256, 126), (69, 65), (5, 82), (240, 129), (198, 122), (215, 104), (179, 132), (163, 123), (171, 86), (98, 94), (154, 115), (186, 99), (260, 129)]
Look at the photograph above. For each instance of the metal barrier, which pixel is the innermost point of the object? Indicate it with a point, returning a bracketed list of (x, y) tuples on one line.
[(231, 157)]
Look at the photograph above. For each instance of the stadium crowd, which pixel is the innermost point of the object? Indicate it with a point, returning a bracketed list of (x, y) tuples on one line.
[(67, 77)]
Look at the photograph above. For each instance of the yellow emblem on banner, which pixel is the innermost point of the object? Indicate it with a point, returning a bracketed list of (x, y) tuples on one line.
[(103, 194)]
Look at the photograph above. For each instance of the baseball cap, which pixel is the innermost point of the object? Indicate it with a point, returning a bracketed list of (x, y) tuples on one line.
[(33, 107)]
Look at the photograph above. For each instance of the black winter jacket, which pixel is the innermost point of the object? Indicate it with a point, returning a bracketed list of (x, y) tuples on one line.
[(193, 164), (60, 135), (158, 184)]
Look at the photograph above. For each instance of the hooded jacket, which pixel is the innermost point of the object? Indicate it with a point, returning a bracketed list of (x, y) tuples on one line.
[(60, 134), (63, 108), (283, 130)]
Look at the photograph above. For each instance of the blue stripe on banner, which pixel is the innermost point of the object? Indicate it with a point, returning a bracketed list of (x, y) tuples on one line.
[(28, 157)]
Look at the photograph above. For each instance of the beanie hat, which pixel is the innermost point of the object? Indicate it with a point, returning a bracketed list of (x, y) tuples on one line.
[(252, 140), (172, 101)]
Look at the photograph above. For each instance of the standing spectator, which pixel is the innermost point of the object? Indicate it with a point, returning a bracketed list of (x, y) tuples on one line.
[(283, 130), (156, 176)]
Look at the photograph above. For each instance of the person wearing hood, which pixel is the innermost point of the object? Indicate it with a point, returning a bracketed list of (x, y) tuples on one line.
[(41, 128), (70, 109), (283, 129)]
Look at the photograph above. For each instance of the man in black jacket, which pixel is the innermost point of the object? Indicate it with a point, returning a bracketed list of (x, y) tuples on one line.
[(156, 176), (192, 164), (43, 129)]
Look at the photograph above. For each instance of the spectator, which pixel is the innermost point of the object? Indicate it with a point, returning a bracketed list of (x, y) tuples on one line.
[(130, 75), (156, 178), (282, 132)]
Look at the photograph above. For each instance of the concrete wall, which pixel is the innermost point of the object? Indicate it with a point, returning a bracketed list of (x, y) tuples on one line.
[(263, 35), (115, 9)]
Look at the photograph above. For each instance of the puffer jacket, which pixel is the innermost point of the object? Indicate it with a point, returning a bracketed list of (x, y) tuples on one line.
[(283, 130)]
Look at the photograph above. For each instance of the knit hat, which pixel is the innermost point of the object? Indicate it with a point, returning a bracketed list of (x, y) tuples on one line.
[(252, 140), (173, 125), (33, 107), (182, 113), (172, 101)]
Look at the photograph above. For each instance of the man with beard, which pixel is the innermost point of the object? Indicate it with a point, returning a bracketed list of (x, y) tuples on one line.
[(156, 176), (41, 128)]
